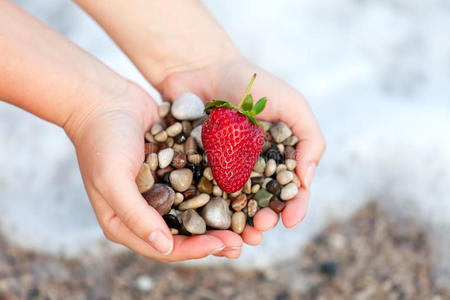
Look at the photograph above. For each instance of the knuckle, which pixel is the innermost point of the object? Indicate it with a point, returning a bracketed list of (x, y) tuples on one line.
[(131, 218)]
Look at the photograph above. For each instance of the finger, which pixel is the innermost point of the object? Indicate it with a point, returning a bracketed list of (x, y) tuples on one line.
[(251, 236), (121, 193), (295, 210), (265, 219), (233, 254), (231, 240)]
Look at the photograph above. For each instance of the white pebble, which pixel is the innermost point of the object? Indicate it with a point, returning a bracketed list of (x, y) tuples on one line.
[(188, 107), (289, 191), (164, 109), (271, 166), (165, 157), (284, 177), (174, 129)]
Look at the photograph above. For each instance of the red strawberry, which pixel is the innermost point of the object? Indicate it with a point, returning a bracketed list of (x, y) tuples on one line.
[(233, 139)]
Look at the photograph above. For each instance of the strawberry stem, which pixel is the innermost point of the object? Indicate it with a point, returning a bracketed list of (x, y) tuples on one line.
[(247, 90)]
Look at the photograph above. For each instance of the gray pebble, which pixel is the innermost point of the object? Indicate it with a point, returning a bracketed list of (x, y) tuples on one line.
[(193, 222), (280, 132), (196, 133), (165, 157), (188, 107), (291, 141), (260, 165), (217, 214), (271, 166), (289, 191), (284, 177)]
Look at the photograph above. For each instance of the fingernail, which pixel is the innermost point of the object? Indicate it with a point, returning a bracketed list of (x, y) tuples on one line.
[(160, 242), (217, 250), (233, 248), (309, 174)]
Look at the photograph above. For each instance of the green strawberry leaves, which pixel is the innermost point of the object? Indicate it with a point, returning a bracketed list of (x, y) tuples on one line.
[(245, 106)]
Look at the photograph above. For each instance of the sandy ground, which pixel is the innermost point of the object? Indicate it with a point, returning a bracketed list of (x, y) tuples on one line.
[(369, 257)]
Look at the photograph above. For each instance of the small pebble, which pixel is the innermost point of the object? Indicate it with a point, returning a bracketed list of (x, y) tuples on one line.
[(208, 174), (247, 189), (192, 222), (187, 127), (172, 221), (170, 119), (197, 170), (178, 147), (260, 165), (291, 164), (149, 138), (266, 125), (180, 139), (150, 148), (277, 205), (205, 186), (190, 147), (179, 197), (162, 172), (160, 197), (174, 129), (273, 187), (252, 208), (235, 194), (190, 192), (217, 214), (195, 202), (257, 180), (179, 160), (156, 128), (161, 137), (281, 148), (195, 158), (166, 178), (289, 191), (164, 109), (144, 178), (174, 231), (188, 107), (152, 161), (280, 132), (217, 191), (255, 188), (296, 181), (239, 203), (291, 141), (289, 152), (263, 197), (281, 167), (284, 177), (265, 182), (144, 283), (274, 153), (181, 179), (170, 141), (271, 166), (165, 157), (238, 220), (196, 133)]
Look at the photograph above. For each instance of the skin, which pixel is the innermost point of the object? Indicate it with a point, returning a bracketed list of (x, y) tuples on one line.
[(106, 116)]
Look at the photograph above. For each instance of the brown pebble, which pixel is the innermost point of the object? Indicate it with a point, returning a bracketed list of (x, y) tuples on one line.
[(170, 141), (161, 137), (238, 220), (277, 205), (178, 147), (190, 147), (187, 127), (208, 174), (239, 202), (178, 198), (289, 152), (161, 172), (195, 158), (252, 208), (257, 180), (144, 178), (160, 197), (152, 160), (170, 119), (205, 186), (190, 192), (150, 148), (179, 160)]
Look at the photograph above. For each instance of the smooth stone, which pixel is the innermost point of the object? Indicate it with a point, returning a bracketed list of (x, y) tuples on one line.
[(217, 214), (289, 152), (280, 132), (255, 174), (289, 191), (160, 197), (174, 231), (166, 178), (265, 182), (174, 129), (266, 125), (291, 164), (238, 220), (281, 167), (156, 128), (257, 180), (197, 170), (281, 148), (165, 157), (190, 147), (284, 177), (170, 119), (252, 208), (277, 205), (193, 222), (291, 141), (188, 107), (161, 137), (187, 127), (271, 167), (255, 188), (208, 174), (150, 148), (190, 192), (172, 221), (180, 139), (149, 137), (239, 203), (235, 194), (263, 197), (178, 147), (260, 165), (273, 187), (144, 178), (274, 153), (205, 186), (179, 197), (196, 133), (194, 202), (217, 191), (296, 181), (170, 141), (152, 161), (162, 172), (179, 160), (164, 109), (195, 158), (247, 189), (181, 179)]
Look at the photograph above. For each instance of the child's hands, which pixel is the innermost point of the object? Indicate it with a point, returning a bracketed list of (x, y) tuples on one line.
[(227, 80), (108, 137)]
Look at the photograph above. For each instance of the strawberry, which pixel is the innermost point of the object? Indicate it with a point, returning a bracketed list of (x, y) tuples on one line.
[(233, 139)]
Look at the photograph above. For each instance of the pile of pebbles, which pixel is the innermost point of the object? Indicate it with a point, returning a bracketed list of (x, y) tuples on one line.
[(177, 181)]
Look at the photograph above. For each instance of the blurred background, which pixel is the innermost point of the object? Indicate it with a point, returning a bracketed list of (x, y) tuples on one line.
[(377, 75)]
